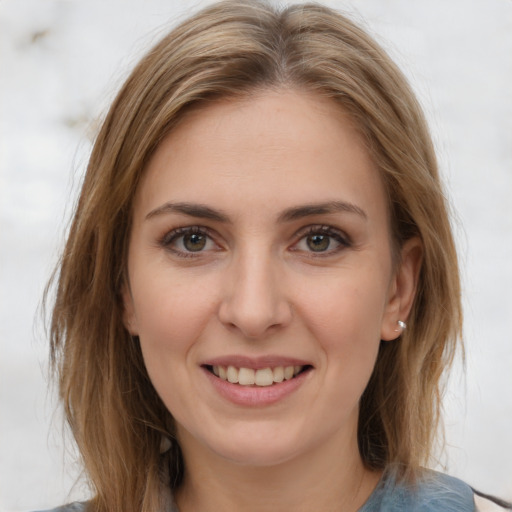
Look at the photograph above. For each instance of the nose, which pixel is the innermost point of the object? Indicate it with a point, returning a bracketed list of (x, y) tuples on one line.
[(253, 297)]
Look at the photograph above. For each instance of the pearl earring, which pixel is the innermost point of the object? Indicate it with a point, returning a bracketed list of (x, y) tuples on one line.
[(401, 326)]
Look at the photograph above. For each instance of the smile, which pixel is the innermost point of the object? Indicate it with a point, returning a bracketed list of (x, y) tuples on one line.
[(260, 377)]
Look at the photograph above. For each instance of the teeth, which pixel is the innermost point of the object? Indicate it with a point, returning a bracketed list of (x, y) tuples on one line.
[(264, 377), (279, 374), (232, 374), (261, 377), (246, 376), (288, 372)]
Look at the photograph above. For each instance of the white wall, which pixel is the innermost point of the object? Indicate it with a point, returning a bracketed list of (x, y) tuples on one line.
[(60, 63)]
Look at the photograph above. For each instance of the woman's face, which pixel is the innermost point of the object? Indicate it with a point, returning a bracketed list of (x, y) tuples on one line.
[(261, 279)]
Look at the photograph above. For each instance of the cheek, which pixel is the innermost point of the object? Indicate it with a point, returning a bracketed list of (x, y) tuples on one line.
[(171, 313), (345, 318), (346, 308), (172, 316)]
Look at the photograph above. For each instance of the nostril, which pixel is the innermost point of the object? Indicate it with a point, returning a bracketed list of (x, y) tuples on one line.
[(254, 309)]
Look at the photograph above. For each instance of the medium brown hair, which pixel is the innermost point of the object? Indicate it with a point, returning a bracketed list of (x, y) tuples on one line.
[(231, 49)]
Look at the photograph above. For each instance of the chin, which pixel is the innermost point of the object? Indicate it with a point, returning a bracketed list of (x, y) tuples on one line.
[(258, 456), (260, 449)]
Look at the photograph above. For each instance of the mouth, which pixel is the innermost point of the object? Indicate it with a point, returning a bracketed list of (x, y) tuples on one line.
[(262, 377)]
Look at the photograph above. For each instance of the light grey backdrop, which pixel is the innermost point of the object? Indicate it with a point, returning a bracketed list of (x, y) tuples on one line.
[(61, 62)]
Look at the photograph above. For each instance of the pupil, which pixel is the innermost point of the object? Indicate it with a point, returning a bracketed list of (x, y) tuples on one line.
[(318, 242), (194, 242)]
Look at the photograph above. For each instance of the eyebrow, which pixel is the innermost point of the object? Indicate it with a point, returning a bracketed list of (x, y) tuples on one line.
[(202, 211), (197, 210), (309, 210)]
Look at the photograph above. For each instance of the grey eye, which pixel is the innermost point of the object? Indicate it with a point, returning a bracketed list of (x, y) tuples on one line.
[(318, 243), (194, 242)]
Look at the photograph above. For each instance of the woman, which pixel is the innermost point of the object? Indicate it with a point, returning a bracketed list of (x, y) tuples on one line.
[(259, 294)]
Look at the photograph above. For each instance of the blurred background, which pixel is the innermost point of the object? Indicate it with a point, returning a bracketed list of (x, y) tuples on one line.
[(61, 62)]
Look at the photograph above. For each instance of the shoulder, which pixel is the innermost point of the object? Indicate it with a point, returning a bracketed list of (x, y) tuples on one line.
[(437, 491), (433, 492), (71, 507)]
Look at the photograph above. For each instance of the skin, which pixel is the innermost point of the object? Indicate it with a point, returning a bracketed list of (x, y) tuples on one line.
[(259, 286)]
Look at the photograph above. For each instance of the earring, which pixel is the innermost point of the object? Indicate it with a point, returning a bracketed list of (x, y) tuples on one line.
[(402, 326)]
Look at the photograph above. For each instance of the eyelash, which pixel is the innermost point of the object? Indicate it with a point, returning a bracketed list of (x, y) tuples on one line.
[(341, 238), (323, 230), (169, 238)]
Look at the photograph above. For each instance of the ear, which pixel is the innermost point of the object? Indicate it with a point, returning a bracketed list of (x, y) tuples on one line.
[(402, 289), (129, 319)]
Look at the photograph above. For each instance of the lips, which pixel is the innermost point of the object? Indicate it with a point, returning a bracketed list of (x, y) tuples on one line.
[(256, 382), (256, 379)]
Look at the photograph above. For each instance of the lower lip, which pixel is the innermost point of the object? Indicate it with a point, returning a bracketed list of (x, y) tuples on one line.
[(256, 396)]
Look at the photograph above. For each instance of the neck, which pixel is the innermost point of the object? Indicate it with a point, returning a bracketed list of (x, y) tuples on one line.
[(314, 481)]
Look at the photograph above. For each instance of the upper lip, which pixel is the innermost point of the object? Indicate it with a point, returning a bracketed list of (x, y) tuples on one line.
[(255, 363)]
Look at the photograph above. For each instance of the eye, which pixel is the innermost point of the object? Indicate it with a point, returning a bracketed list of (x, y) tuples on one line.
[(187, 241), (321, 240), (194, 242), (318, 243)]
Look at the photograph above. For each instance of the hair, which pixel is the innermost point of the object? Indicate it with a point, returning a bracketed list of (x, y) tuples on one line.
[(233, 49)]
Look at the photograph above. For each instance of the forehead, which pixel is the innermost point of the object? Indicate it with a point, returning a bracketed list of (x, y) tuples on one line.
[(271, 148)]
